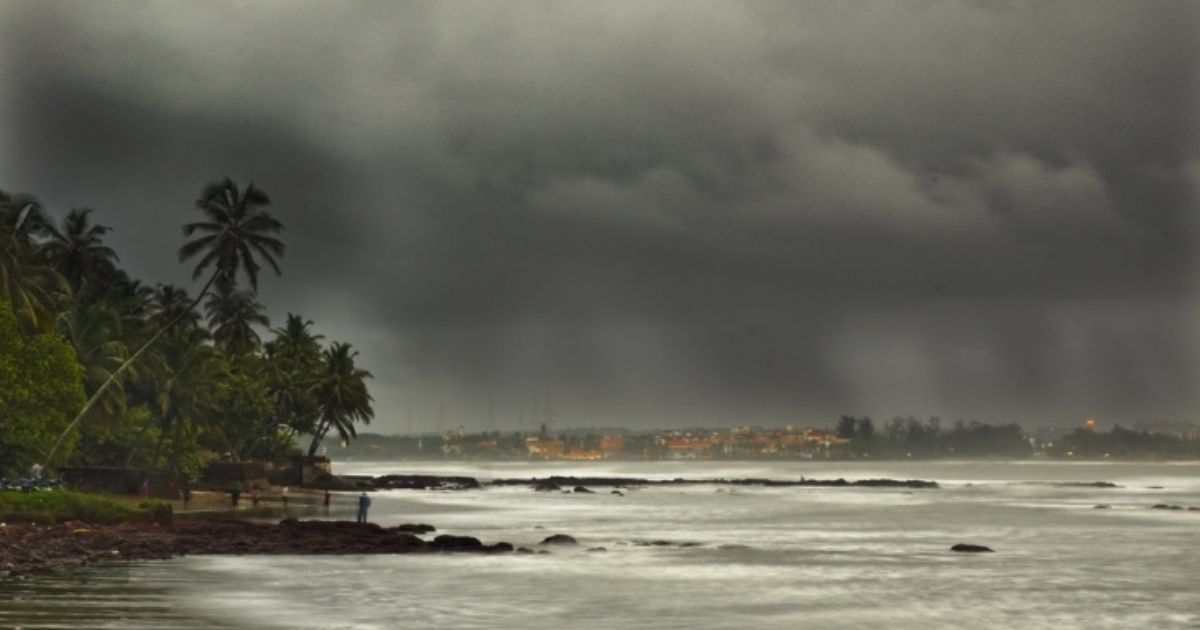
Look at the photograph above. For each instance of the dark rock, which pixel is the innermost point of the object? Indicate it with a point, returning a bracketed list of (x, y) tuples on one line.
[(1164, 506), (421, 482), (446, 542), (597, 549), (414, 528), (582, 490), (499, 547), (689, 544), (524, 550), (618, 493), (1101, 506), (547, 486), (559, 539), (966, 548)]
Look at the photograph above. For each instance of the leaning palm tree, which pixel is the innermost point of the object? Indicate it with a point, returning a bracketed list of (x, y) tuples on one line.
[(238, 230), (342, 395), (232, 316), (77, 249)]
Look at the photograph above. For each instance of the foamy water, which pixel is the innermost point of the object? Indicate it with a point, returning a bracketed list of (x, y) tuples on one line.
[(754, 557)]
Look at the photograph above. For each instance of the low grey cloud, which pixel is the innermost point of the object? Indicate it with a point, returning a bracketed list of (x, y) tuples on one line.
[(666, 214)]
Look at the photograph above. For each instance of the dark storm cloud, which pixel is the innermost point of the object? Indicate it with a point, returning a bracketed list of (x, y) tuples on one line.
[(671, 213)]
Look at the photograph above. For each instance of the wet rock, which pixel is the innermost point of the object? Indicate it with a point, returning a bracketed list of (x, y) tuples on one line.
[(1164, 506), (689, 544), (582, 490), (597, 549), (1101, 506), (618, 493), (414, 528), (547, 486), (446, 542), (559, 539), (421, 482), (524, 550), (968, 548)]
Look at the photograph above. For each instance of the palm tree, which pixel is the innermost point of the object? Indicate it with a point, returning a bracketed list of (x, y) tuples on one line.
[(231, 318), (77, 250), (293, 363), (238, 229), (36, 291), (95, 331), (342, 395), (188, 381), (171, 306), (23, 216)]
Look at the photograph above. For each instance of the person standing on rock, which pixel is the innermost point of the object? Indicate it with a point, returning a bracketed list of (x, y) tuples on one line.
[(364, 503), (327, 497)]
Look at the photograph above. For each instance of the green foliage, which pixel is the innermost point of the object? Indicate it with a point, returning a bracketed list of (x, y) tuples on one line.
[(60, 506), (341, 392), (164, 390), (41, 384)]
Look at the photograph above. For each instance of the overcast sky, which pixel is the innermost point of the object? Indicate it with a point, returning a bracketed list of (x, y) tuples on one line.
[(665, 213)]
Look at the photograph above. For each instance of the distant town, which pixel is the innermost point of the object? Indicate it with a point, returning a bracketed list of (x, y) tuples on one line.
[(850, 438)]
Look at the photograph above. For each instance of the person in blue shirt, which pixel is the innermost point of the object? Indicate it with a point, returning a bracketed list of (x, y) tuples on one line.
[(364, 502)]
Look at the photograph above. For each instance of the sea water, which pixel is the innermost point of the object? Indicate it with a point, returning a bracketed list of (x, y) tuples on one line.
[(738, 556)]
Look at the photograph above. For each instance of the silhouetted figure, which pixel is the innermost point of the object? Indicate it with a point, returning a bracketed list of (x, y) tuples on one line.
[(364, 503), (285, 498), (254, 496), (327, 497), (236, 493)]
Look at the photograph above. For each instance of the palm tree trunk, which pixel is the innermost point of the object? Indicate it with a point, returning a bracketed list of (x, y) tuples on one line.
[(124, 366), (322, 429)]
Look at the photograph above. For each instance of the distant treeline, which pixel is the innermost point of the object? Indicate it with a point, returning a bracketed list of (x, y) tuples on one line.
[(904, 437), (1125, 444)]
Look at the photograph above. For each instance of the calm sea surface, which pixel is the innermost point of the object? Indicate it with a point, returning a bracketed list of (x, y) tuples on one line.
[(757, 557)]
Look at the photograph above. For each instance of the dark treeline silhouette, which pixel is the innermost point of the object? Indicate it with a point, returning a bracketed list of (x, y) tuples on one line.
[(910, 437), (1125, 444)]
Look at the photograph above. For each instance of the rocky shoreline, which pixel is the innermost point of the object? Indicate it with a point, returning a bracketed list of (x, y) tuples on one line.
[(27, 550), (434, 482)]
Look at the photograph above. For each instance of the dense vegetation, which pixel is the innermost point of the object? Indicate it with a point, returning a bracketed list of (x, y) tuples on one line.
[(59, 507), (170, 379)]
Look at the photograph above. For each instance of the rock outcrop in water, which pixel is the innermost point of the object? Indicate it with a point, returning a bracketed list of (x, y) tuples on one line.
[(557, 482), (967, 548), (559, 539), (414, 482), (31, 549)]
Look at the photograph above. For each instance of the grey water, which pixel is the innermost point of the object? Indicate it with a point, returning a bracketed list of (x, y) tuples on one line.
[(740, 557)]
